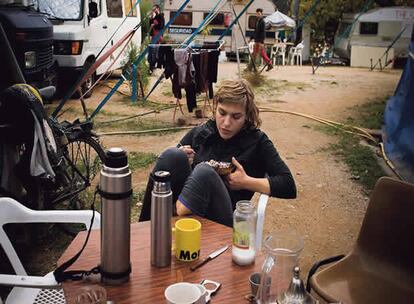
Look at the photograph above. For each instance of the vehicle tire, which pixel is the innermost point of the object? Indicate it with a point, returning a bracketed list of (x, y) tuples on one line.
[(84, 158)]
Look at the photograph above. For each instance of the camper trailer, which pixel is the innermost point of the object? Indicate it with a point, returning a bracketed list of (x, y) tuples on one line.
[(195, 12), (376, 29), (82, 28)]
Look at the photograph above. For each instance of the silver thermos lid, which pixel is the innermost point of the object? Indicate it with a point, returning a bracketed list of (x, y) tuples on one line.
[(162, 182)]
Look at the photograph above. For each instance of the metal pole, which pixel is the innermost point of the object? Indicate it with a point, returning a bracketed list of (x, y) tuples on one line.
[(238, 58), (134, 84), (245, 40)]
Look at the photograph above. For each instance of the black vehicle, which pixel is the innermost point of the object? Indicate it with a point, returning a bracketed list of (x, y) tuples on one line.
[(30, 35)]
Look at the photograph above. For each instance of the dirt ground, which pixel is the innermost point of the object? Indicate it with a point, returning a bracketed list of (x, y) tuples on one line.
[(330, 205)]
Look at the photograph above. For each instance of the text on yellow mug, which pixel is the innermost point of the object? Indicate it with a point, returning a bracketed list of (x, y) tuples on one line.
[(187, 239)]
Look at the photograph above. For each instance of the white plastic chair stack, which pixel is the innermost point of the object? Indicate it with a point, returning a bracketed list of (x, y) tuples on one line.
[(296, 53), (34, 289)]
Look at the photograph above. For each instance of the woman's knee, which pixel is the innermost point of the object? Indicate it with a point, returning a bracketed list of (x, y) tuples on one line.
[(173, 153), (171, 158), (205, 172)]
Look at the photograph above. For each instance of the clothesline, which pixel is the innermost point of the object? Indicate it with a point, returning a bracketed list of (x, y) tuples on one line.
[(204, 45), (164, 44), (193, 70)]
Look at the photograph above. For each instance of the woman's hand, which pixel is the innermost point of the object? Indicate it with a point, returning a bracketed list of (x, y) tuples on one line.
[(189, 152), (238, 179)]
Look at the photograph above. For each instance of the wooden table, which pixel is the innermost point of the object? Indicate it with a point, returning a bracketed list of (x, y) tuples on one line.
[(147, 283)]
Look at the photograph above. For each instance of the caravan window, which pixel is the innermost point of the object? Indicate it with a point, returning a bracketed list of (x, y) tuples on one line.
[(114, 8), (217, 20), (368, 28), (252, 22), (185, 18), (128, 4)]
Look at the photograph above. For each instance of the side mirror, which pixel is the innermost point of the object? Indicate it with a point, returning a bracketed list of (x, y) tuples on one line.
[(93, 10)]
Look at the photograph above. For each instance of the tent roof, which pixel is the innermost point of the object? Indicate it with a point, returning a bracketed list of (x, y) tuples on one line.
[(278, 19)]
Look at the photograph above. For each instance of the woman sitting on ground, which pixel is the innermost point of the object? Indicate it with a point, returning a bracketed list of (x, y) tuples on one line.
[(232, 135)]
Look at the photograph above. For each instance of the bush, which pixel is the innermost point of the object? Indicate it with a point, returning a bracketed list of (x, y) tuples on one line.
[(133, 52)]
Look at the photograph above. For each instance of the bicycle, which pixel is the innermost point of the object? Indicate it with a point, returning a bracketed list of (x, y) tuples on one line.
[(83, 156), (75, 157)]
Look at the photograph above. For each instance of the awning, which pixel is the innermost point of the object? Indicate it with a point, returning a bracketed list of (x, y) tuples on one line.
[(278, 19)]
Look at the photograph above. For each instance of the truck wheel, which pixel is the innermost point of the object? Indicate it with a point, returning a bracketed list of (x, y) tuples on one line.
[(86, 87)]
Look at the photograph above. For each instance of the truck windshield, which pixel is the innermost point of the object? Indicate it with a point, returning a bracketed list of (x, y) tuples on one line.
[(60, 9)]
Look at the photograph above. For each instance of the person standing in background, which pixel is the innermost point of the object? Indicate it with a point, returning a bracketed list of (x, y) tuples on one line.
[(259, 37), (157, 23)]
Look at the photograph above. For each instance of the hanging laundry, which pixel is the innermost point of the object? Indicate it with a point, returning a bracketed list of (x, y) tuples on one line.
[(200, 61), (183, 77), (162, 54), (152, 56), (195, 72), (185, 71), (169, 62), (213, 57)]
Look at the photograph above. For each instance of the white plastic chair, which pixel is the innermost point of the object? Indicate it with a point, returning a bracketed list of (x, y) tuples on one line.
[(296, 53), (34, 289), (261, 210), (278, 50)]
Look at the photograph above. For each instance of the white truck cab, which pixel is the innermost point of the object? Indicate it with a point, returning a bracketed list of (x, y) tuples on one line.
[(81, 30)]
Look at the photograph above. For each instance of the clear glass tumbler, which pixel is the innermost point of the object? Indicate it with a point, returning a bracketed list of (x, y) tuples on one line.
[(282, 254)]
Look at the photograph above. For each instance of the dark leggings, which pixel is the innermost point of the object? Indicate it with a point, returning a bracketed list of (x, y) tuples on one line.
[(201, 190)]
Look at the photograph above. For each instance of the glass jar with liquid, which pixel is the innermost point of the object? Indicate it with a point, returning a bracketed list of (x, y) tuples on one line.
[(244, 233)]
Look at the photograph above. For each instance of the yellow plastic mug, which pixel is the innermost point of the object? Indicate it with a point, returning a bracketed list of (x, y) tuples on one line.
[(187, 239)]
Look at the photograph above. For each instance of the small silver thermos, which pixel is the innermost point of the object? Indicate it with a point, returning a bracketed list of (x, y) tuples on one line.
[(161, 213), (115, 190)]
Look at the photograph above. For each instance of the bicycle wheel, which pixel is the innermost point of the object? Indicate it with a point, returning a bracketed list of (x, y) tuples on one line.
[(84, 157)]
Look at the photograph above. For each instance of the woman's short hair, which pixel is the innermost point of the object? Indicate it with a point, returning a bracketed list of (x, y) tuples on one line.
[(239, 92)]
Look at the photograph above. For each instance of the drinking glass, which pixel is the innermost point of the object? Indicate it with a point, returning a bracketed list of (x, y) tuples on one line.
[(282, 249), (94, 294)]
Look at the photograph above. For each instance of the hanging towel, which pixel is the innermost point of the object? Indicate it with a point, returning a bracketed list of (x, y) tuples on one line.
[(182, 58), (39, 162)]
